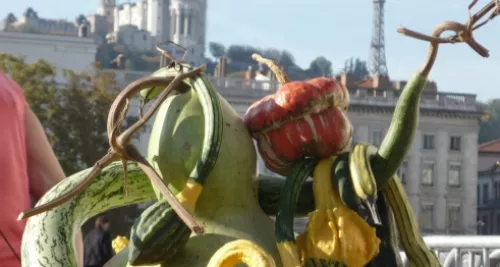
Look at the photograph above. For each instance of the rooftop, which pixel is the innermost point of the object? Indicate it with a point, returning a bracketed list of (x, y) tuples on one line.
[(489, 147), (241, 89), (51, 38)]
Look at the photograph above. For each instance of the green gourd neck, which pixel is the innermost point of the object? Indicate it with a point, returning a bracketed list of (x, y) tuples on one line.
[(175, 147)]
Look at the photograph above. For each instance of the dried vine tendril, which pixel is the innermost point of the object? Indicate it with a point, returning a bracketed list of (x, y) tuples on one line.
[(122, 149), (174, 63), (463, 33)]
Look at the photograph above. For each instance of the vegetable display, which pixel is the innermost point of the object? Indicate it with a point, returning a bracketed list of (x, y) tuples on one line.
[(302, 119), (211, 206), (119, 243)]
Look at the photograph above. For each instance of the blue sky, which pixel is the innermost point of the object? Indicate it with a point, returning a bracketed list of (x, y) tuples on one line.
[(336, 29)]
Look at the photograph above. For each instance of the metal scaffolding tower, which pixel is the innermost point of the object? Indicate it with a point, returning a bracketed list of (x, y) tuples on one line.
[(377, 63)]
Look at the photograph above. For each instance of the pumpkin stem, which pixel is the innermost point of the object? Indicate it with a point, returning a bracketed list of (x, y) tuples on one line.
[(280, 73)]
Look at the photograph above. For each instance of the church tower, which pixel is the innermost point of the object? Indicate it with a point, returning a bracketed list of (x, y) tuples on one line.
[(187, 27), (106, 8), (158, 18)]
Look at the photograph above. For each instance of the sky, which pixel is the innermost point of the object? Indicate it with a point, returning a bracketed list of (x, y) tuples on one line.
[(337, 30)]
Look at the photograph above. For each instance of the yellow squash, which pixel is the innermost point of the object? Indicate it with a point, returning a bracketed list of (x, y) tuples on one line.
[(334, 231)]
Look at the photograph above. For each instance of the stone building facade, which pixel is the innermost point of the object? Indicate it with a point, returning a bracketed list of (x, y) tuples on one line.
[(488, 188), (140, 25), (63, 52), (180, 21), (30, 22)]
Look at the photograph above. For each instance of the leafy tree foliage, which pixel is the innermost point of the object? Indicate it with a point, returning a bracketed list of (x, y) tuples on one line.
[(489, 127), (320, 66), (217, 49), (74, 115), (356, 67)]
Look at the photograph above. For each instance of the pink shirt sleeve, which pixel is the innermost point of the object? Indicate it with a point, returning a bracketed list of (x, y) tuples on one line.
[(14, 192)]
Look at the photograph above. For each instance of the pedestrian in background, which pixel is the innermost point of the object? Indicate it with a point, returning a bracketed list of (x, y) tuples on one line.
[(97, 245)]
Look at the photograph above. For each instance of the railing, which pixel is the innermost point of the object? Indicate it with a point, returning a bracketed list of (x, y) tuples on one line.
[(472, 251), (453, 251), (254, 89)]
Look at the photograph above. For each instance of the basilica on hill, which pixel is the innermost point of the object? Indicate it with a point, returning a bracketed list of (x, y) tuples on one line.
[(140, 24)]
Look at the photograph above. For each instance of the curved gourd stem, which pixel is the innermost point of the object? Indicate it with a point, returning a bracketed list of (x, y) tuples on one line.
[(285, 236), (463, 35), (399, 137), (279, 72)]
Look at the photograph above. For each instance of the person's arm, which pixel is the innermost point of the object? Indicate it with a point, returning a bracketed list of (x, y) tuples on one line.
[(79, 248), (44, 170)]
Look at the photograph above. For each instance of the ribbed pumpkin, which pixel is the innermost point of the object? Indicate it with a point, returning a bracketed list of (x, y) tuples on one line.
[(302, 119)]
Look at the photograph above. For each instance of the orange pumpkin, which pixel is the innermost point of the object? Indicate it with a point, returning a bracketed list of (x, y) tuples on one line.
[(302, 119)]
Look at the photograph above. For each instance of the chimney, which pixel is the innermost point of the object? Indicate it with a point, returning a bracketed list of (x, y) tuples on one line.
[(250, 74), (431, 87), (347, 80), (82, 31), (399, 85), (221, 67), (271, 76), (380, 81)]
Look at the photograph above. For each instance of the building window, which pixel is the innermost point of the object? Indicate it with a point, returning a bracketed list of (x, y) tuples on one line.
[(495, 193), (426, 218), (403, 170), (454, 174), (144, 37), (182, 22), (428, 173), (377, 138), (478, 195), (174, 23), (189, 24), (497, 223), (454, 217), (497, 190), (429, 141), (486, 194), (455, 143), (485, 225)]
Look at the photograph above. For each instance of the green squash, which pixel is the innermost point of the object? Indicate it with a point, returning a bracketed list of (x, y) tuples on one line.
[(228, 206)]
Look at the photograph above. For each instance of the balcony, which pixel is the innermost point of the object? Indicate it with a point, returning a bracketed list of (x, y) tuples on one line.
[(251, 90)]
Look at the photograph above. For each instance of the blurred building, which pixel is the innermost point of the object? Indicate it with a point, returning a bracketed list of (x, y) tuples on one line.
[(76, 53), (139, 25), (146, 22), (30, 22), (488, 188)]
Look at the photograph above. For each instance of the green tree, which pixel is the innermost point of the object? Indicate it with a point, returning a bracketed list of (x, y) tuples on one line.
[(286, 59), (320, 66), (357, 68), (241, 53), (489, 127), (74, 115), (217, 49), (272, 53)]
